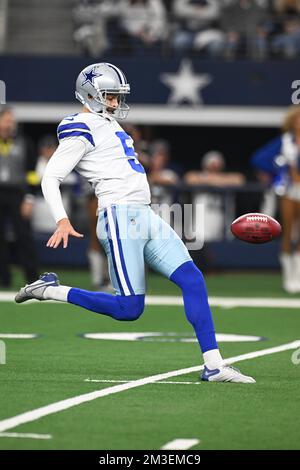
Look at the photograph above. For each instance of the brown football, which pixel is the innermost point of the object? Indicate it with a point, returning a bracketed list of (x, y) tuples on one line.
[(256, 228)]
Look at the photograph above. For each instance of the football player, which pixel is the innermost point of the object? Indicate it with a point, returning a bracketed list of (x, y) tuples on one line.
[(131, 234)]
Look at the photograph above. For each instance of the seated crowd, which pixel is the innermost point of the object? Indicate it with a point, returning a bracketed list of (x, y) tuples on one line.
[(229, 29)]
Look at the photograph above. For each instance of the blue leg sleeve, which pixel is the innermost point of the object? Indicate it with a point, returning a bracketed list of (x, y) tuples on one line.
[(190, 279), (119, 307)]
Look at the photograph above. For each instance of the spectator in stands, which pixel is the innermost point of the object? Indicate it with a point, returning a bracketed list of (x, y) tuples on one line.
[(212, 174), (247, 24), (91, 18), (279, 161), (160, 172), (143, 24), (197, 26), (286, 40), (17, 187)]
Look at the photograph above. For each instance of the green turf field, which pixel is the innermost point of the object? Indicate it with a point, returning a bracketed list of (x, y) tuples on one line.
[(56, 365)]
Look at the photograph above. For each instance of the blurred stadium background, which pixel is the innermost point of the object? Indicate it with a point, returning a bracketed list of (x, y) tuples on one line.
[(205, 76), (211, 82)]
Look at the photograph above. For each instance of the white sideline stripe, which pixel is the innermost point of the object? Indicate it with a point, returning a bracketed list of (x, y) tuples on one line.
[(180, 444), (25, 435), (62, 405), (18, 336), (128, 381), (7, 296), (226, 302), (229, 302), (116, 251), (254, 302)]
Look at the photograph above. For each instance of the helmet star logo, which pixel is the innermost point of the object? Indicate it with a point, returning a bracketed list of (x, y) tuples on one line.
[(90, 76)]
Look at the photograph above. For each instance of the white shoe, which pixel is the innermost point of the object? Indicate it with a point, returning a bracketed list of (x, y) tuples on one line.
[(226, 374), (36, 289)]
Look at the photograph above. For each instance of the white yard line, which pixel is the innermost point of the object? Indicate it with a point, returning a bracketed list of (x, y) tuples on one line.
[(25, 435), (180, 444), (128, 381), (62, 405), (226, 302)]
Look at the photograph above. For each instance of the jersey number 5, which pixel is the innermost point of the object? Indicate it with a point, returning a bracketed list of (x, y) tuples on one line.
[(129, 152)]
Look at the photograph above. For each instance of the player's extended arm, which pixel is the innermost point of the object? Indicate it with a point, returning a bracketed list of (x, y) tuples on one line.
[(62, 162)]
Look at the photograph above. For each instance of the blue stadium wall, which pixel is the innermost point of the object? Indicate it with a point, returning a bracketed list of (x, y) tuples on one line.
[(49, 79)]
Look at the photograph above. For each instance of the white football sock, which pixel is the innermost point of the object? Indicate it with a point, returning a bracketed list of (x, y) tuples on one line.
[(96, 266), (297, 270), (213, 359), (287, 265), (297, 264), (56, 293)]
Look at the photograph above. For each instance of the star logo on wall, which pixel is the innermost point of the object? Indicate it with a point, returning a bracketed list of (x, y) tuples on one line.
[(186, 85)]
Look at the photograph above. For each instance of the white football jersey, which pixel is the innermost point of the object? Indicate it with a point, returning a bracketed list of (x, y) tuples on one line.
[(109, 162)]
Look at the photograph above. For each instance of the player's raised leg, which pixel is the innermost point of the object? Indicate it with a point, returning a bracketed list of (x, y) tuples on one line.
[(126, 267), (119, 307), (166, 253)]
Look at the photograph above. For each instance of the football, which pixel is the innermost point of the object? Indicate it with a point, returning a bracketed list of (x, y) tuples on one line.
[(256, 228)]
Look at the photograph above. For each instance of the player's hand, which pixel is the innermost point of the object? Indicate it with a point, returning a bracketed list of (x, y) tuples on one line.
[(62, 233)]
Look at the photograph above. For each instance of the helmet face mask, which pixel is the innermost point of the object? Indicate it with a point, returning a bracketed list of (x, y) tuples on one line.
[(121, 111), (96, 82)]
